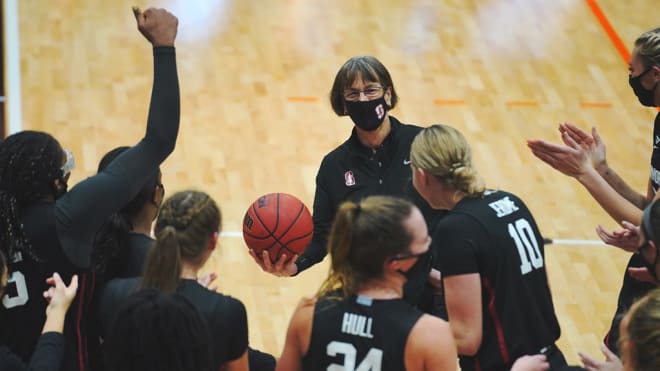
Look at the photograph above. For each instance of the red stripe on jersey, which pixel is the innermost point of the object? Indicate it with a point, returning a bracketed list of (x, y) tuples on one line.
[(81, 298), (496, 320)]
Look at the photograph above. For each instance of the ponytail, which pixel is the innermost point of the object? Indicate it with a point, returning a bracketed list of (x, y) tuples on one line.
[(339, 248), (111, 246), (163, 266), (363, 236)]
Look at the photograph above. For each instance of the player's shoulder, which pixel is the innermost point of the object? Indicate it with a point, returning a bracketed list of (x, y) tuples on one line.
[(430, 330)]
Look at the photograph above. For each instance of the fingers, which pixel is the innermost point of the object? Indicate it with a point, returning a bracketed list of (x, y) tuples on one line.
[(137, 13), (265, 258), (608, 353), (74, 283), (279, 265), (589, 362), (641, 274), (596, 136), (545, 146), (630, 227), (569, 140), (258, 260)]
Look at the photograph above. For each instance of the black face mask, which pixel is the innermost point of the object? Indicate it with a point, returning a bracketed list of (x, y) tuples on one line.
[(421, 268), (367, 115), (646, 97)]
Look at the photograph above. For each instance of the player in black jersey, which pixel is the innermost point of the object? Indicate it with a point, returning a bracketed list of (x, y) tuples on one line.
[(640, 329), (186, 235), (490, 255), (358, 320), (583, 157), (44, 229), (49, 350), (155, 331)]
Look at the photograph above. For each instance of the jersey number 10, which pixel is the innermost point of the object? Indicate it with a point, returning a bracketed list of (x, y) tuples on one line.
[(527, 244)]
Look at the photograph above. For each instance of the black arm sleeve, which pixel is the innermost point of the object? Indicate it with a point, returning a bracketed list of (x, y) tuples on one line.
[(323, 215), (81, 211), (48, 354)]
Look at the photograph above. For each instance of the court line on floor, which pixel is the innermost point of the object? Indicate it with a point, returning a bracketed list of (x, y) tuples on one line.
[(554, 241), (13, 66), (609, 30)]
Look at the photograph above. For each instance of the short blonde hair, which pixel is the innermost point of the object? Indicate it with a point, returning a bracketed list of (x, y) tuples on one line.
[(648, 48)]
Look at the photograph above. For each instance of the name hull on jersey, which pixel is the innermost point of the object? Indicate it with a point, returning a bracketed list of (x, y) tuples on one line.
[(355, 324)]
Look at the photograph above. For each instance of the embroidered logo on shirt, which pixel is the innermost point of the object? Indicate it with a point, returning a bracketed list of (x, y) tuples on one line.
[(349, 179), (657, 140), (406, 162)]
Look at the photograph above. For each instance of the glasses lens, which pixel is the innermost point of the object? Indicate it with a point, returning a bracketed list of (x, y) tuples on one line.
[(370, 93)]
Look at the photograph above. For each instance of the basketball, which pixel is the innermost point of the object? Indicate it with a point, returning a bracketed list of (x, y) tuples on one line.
[(278, 223)]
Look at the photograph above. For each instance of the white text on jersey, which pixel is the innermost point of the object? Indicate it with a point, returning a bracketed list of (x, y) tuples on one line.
[(354, 324), (503, 207)]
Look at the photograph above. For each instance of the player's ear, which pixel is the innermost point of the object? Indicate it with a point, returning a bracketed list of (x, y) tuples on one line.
[(213, 241), (422, 176)]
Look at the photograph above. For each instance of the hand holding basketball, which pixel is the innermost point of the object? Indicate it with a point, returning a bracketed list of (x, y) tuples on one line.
[(158, 25), (277, 227), (284, 267)]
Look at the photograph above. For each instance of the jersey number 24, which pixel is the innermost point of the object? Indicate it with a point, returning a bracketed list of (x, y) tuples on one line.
[(372, 362)]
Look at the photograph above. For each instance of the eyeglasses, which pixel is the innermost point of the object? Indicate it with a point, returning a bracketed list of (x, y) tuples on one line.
[(411, 255), (371, 92), (70, 163)]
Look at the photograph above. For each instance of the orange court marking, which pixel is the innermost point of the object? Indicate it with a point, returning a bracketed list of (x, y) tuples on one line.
[(596, 105), (303, 99), (449, 102), (609, 30)]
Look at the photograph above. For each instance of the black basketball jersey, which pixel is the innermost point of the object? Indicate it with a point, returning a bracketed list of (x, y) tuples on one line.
[(654, 174), (497, 237), (225, 316), (24, 305), (360, 333), (632, 289)]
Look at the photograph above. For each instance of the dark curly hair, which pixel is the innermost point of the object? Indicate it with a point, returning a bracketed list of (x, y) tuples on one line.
[(30, 162)]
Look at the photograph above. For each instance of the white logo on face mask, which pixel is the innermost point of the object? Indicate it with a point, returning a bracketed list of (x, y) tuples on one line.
[(380, 111)]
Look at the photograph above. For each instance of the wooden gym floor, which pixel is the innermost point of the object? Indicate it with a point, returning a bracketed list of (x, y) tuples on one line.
[(255, 77)]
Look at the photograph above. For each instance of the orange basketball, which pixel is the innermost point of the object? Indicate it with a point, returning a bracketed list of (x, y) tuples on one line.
[(278, 223)]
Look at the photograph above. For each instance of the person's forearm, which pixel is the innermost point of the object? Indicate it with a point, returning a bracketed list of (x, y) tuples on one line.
[(621, 187), (48, 353), (54, 321), (164, 109), (609, 199)]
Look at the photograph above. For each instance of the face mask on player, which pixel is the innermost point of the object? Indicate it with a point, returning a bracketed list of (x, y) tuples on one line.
[(646, 96)]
